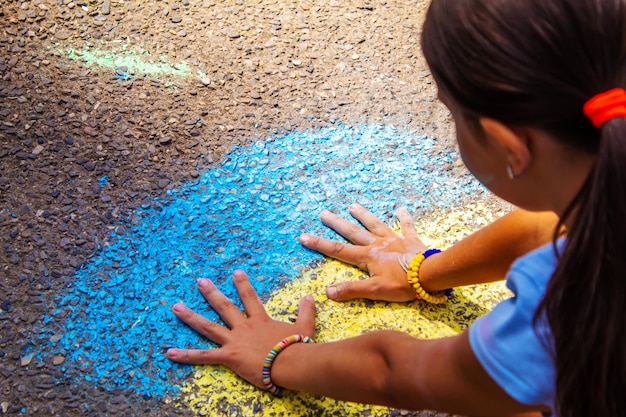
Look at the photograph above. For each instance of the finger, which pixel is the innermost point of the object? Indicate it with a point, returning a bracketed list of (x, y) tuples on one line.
[(370, 289), (196, 356), (353, 232), (369, 221), (406, 223), (353, 255), (306, 315), (202, 325), (251, 301), (229, 312), (350, 290)]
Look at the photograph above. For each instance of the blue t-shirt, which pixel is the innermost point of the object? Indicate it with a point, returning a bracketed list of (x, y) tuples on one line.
[(505, 341)]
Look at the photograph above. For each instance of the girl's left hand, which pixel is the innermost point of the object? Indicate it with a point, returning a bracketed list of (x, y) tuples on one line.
[(248, 338), (374, 248)]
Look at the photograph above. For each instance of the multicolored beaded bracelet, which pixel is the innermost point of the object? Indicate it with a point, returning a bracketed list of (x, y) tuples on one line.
[(269, 360), (412, 275)]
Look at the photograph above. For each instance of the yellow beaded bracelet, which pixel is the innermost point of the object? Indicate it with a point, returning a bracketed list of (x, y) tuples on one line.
[(412, 276)]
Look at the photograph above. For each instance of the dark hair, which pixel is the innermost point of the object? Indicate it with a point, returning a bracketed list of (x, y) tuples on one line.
[(535, 63)]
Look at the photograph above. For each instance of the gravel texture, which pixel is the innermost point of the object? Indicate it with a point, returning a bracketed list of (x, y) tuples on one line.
[(111, 111)]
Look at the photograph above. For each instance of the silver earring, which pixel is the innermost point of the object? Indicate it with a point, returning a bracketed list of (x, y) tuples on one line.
[(509, 172)]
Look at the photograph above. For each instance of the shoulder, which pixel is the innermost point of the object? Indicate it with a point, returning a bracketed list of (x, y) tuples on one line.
[(535, 268), (506, 340)]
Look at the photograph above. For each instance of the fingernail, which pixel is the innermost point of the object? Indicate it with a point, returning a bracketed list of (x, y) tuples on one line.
[(331, 292), (305, 238), (179, 308), (172, 353), (203, 283), (309, 298)]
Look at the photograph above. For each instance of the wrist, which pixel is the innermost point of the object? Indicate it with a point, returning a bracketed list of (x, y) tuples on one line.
[(414, 269), (271, 365), (286, 366), (429, 274)]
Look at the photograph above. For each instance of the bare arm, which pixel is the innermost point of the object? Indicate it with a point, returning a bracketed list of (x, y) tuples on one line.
[(387, 367), (484, 256), (394, 369), (487, 255)]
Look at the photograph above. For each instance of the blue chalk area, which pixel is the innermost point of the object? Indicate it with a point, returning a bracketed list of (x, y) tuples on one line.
[(246, 213)]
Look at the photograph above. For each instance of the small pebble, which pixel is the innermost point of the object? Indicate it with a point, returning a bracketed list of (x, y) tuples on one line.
[(106, 7), (90, 131)]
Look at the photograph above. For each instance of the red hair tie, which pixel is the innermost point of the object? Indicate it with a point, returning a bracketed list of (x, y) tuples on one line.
[(606, 106)]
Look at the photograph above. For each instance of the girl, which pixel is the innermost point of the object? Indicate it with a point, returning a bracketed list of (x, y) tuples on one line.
[(535, 89)]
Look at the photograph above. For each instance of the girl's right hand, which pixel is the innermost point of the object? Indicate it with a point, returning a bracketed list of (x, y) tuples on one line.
[(249, 336), (375, 248)]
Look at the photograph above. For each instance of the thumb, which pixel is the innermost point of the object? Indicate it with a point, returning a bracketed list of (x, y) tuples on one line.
[(371, 289), (306, 314), (349, 290)]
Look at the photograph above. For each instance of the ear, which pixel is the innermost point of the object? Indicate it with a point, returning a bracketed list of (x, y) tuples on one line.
[(514, 143)]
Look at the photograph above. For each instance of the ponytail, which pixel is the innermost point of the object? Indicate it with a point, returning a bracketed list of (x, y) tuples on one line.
[(585, 302), (540, 71)]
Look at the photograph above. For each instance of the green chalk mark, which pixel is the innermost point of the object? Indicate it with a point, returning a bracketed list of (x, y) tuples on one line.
[(132, 61)]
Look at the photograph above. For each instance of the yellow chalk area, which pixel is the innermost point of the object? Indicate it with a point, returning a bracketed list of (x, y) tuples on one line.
[(216, 391)]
